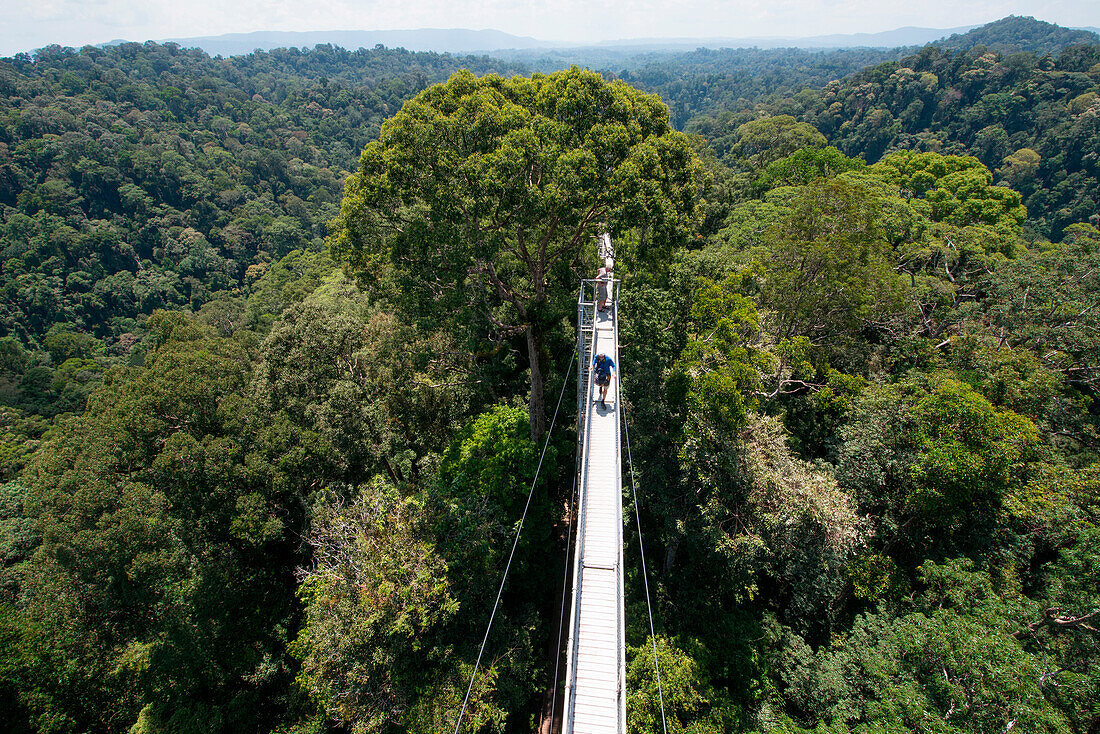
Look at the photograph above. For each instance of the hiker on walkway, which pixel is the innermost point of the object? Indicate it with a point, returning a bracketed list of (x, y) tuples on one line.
[(602, 368), (603, 277)]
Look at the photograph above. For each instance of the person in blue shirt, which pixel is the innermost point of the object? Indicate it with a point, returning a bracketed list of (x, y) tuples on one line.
[(603, 368)]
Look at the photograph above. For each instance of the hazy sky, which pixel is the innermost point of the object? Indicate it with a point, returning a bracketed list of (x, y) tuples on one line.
[(31, 24)]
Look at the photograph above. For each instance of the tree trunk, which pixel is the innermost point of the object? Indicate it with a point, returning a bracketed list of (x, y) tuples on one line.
[(670, 553), (536, 404)]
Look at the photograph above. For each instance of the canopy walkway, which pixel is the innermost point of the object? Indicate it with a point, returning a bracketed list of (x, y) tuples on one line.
[(595, 675), (595, 700)]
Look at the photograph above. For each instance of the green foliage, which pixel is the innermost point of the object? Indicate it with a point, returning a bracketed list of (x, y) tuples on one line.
[(19, 434), (875, 577), (366, 385), (1045, 300), (729, 82), (936, 453), (1023, 114), (137, 177), (397, 592), (477, 499), (63, 344), (373, 596), (484, 231), (861, 390), (958, 190), (493, 456), (691, 703), (767, 523), (1020, 33), (806, 165), (167, 514), (969, 453), (827, 272), (284, 282), (1067, 631), (399, 585), (24, 677), (767, 140), (948, 666), (18, 538), (167, 517), (1019, 168), (718, 363)]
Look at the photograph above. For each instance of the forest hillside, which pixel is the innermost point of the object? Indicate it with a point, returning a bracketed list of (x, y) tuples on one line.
[(281, 336)]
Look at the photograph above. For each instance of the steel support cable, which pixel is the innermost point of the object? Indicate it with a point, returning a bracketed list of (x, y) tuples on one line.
[(515, 544), (564, 593), (641, 552)]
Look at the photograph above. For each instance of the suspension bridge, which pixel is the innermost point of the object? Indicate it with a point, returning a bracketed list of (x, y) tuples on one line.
[(595, 677), (594, 700)]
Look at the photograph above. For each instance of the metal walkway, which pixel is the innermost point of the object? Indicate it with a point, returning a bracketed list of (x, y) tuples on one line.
[(596, 663)]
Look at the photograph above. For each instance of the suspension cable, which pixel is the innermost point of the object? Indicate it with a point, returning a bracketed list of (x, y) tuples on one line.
[(641, 552), (515, 543)]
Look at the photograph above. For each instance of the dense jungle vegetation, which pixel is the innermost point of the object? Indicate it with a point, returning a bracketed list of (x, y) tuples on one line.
[(281, 337)]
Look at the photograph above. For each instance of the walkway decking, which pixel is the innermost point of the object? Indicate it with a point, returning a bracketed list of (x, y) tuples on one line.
[(596, 666)]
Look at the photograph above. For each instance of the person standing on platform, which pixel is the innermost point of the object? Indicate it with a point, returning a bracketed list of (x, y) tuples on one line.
[(603, 368), (603, 278)]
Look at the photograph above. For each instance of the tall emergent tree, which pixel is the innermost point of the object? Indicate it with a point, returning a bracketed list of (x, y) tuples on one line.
[(482, 196)]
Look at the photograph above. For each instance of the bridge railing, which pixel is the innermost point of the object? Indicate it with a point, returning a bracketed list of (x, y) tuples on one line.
[(620, 585), (587, 316), (587, 305)]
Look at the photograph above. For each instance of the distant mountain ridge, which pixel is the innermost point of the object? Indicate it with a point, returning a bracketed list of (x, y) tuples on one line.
[(1011, 34), (452, 40), (460, 40), (1020, 33), (908, 36)]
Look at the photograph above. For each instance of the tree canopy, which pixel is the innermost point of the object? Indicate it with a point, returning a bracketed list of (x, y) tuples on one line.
[(482, 198), (243, 489)]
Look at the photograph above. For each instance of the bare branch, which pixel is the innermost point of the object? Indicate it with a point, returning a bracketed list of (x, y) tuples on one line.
[(1053, 617)]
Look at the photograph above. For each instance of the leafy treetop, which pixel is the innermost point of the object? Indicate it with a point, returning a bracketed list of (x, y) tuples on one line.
[(500, 185)]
